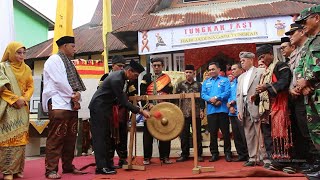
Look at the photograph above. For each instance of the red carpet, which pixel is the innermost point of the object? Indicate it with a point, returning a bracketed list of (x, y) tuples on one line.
[(34, 170)]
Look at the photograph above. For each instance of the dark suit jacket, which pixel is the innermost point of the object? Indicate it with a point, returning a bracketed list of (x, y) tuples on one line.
[(110, 92)]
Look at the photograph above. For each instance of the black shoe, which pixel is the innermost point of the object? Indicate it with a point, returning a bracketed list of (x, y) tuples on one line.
[(182, 159), (249, 163), (313, 176), (214, 158), (304, 166), (267, 165), (115, 167), (122, 162), (166, 161), (228, 157), (312, 169), (200, 159), (241, 159), (146, 161), (106, 171)]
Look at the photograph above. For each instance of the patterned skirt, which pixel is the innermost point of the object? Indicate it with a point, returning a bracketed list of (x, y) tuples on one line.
[(12, 159)]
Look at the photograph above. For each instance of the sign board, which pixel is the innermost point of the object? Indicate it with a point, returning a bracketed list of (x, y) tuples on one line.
[(229, 32)]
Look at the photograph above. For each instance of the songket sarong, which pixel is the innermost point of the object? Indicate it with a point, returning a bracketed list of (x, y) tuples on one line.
[(12, 159), (14, 127)]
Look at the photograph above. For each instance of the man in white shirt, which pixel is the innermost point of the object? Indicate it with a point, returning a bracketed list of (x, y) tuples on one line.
[(248, 112), (60, 97)]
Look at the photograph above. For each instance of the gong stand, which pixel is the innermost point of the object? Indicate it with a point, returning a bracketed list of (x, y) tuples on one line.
[(196, 169)]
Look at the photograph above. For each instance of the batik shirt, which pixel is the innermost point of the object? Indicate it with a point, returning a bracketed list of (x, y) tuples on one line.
[(186, 87)]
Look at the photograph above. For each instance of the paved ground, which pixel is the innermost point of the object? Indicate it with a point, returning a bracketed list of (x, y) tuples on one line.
[(175, 147)]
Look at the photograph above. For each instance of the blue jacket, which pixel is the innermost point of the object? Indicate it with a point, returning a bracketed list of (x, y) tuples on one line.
[(219, 87), (233, 95)]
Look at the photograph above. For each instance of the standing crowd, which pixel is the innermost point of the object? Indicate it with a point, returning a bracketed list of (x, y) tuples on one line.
[(274, 110)]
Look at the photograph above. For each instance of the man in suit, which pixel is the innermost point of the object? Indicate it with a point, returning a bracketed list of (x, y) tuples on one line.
[(104, 108), (119, 143), (248, 112)]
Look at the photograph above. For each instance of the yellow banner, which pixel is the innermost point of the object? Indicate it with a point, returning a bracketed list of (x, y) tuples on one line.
[(63, 24), (106, 28)]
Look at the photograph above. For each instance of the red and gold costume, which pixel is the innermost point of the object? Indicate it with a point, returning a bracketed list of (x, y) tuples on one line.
[(155, 85)]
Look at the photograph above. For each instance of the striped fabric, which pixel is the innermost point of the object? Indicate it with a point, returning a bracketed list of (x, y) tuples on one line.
[(89, 69)]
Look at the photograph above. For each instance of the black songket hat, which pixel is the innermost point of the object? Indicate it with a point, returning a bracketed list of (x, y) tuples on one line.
[(285, 39), (136, 66), (265, 49), (189, 67), (65, 40)]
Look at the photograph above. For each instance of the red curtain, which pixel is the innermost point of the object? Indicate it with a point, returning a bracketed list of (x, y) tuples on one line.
[(201, 56)]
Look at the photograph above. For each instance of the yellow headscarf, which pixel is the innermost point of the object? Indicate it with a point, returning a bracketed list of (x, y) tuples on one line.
[(206, 75), (18, 68)]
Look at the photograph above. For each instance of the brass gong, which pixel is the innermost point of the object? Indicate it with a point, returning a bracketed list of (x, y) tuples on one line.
[(166, 121)]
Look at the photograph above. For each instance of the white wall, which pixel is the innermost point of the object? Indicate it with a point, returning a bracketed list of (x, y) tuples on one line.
[(91, 85)]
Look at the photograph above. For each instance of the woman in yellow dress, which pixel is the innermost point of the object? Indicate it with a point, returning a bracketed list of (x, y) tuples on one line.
[(16, 89)]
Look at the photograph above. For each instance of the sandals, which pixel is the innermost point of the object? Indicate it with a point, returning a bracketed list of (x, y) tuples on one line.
[(53, 175), (74, 171), (8, 177), (18, 175)]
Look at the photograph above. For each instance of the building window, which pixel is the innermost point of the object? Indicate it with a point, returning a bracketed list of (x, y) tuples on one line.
[(167, 62), (178, 62)]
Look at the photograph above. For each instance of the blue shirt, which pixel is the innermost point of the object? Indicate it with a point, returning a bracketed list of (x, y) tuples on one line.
[(233, 95), (219, 87)]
